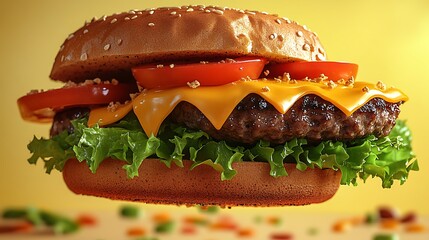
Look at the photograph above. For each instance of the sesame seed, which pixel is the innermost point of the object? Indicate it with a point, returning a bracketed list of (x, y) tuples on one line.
[(322, 77), (273, 36), (246, 79), (350, 81), (94, 19), (139, 13), (287, 20), (299, 34), (241, 11), (266, 72), (104, 17), (85, 31), (341, 81), (250, 12), (193, 84), (70, 36), (190, 10), (365, 89), (241, 68), (114, 20), (133, 95), (131, 12), (134, 17), (62, 58), (84, 56), (151, 24), (218, 12), (61, 48), (179, 15), (286, 77), (381, 85), (126, 18), (151, 12), (319, 57), (306, 47), (119, 42), (159, 66), (113, 106), (265, 89), (116, 115), (88, 82), (278, 21), (171, 65), (305, 27), (265, 13), (331, 84), (173, 13), (207, 11), (107, 47)]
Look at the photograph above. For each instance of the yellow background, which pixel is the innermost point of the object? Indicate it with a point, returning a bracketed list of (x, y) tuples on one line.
[(388, 39)]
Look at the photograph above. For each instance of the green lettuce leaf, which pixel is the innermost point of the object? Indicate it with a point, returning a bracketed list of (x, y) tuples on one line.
[(54, 152), (388, 158)]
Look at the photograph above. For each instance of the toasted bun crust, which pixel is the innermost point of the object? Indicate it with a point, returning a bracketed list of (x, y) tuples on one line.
[(252, 186), (110, 46)]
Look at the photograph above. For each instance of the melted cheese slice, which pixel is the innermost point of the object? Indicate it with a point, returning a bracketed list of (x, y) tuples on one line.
[(217, 102)]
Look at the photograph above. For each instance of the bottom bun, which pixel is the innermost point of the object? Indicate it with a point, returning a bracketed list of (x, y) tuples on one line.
[(156, 183)]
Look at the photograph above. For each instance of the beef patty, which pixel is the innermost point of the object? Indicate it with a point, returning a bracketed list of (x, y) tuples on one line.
[(255, 119), (310, 117)]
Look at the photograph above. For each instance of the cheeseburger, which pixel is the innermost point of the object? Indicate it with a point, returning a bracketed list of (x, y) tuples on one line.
[(213, 106)]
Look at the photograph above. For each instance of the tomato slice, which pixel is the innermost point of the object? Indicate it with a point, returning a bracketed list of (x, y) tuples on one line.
[(300, 70), (207, 74), (41, 107)]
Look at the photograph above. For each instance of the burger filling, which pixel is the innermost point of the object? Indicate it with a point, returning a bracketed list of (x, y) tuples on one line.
[(387, 157), (315, 123)]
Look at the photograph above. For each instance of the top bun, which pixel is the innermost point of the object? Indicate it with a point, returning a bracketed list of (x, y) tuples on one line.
[(108, 47)]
